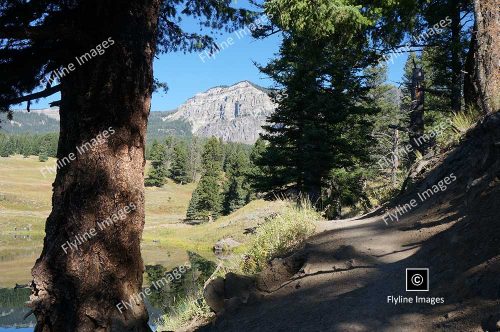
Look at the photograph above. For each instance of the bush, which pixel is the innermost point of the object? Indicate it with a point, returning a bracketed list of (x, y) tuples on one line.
[(186, 309), (280, 235), (463, 121), (42, 157), (183, 300)]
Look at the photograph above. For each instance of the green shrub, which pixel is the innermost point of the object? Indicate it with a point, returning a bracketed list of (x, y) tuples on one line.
[(185, 310), (461, 123), (279, 235), (42, 157)]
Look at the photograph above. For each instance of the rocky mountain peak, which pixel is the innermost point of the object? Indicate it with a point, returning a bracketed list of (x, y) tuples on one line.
[(234, 113)]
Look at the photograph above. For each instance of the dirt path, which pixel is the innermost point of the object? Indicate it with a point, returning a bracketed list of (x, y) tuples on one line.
[(351, 269)]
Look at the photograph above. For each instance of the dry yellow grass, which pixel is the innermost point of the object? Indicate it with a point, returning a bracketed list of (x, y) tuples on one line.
[(25, 203)]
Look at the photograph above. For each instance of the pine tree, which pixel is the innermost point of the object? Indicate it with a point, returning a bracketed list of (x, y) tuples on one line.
[(158, 172), (237, 194), (169, 145), (237, 167), (194, 158), (4, 149), (388, 128), (321, 121), (445, 23), (192, 210), (206, 202), (179, 169), (42, 156)]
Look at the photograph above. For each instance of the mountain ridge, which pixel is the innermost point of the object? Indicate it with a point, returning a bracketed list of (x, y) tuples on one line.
[(233, 113)]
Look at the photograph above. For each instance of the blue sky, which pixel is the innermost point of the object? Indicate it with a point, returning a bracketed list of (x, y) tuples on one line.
[(187, 74)]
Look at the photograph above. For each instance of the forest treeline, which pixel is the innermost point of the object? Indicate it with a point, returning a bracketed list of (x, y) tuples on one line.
[(221, 169), (338, 115), (42, 145)]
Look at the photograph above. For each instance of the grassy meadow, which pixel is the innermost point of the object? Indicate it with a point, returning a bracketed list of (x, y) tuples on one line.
[(25, 203)]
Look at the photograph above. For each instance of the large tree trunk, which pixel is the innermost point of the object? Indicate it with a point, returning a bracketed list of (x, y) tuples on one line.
[(416, 126), (471, 97), (104, 104), (487, 54), (456, 57)]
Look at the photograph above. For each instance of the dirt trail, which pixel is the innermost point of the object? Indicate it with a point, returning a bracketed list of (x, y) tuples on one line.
[(352, 266)]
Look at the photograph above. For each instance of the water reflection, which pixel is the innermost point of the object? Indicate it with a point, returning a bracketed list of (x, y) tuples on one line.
[(161, 301), (13, 309)]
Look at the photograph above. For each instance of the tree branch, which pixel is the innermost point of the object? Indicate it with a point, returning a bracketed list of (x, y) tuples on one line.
[(20, 32), (41, 94), (442, 93)]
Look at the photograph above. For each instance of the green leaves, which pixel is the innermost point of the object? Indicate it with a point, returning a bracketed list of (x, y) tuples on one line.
[(318, 19), (206, 202)]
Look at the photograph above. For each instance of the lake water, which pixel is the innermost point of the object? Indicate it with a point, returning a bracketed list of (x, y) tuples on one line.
[(13, 309)]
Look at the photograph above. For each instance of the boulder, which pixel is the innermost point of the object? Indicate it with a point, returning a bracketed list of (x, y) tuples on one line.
[(279, 271), (228, 294), (237, 286), (226, 244), (214, 294)]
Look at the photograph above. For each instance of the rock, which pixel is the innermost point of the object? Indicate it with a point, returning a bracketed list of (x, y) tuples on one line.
[(214, 294), (279, 271), (232, 304), (235, 113), (237, 286), (226, 244), (228, 294)]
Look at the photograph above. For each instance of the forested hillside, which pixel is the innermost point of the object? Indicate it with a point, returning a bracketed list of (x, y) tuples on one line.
[(29, 123)]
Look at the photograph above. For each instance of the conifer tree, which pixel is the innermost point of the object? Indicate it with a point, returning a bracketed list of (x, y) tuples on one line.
[(444, 26), (179, 169), (5, 147), (194, 158), (110, 92), (237, 193), (158, 172), (321, 121), (206, 202), (42, 156), (192, 210)]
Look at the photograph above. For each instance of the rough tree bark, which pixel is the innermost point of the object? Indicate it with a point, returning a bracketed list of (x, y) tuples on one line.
[(471, 97), (416, 125), (395, 158), (456, 59), (486, 73), (108, 98)]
